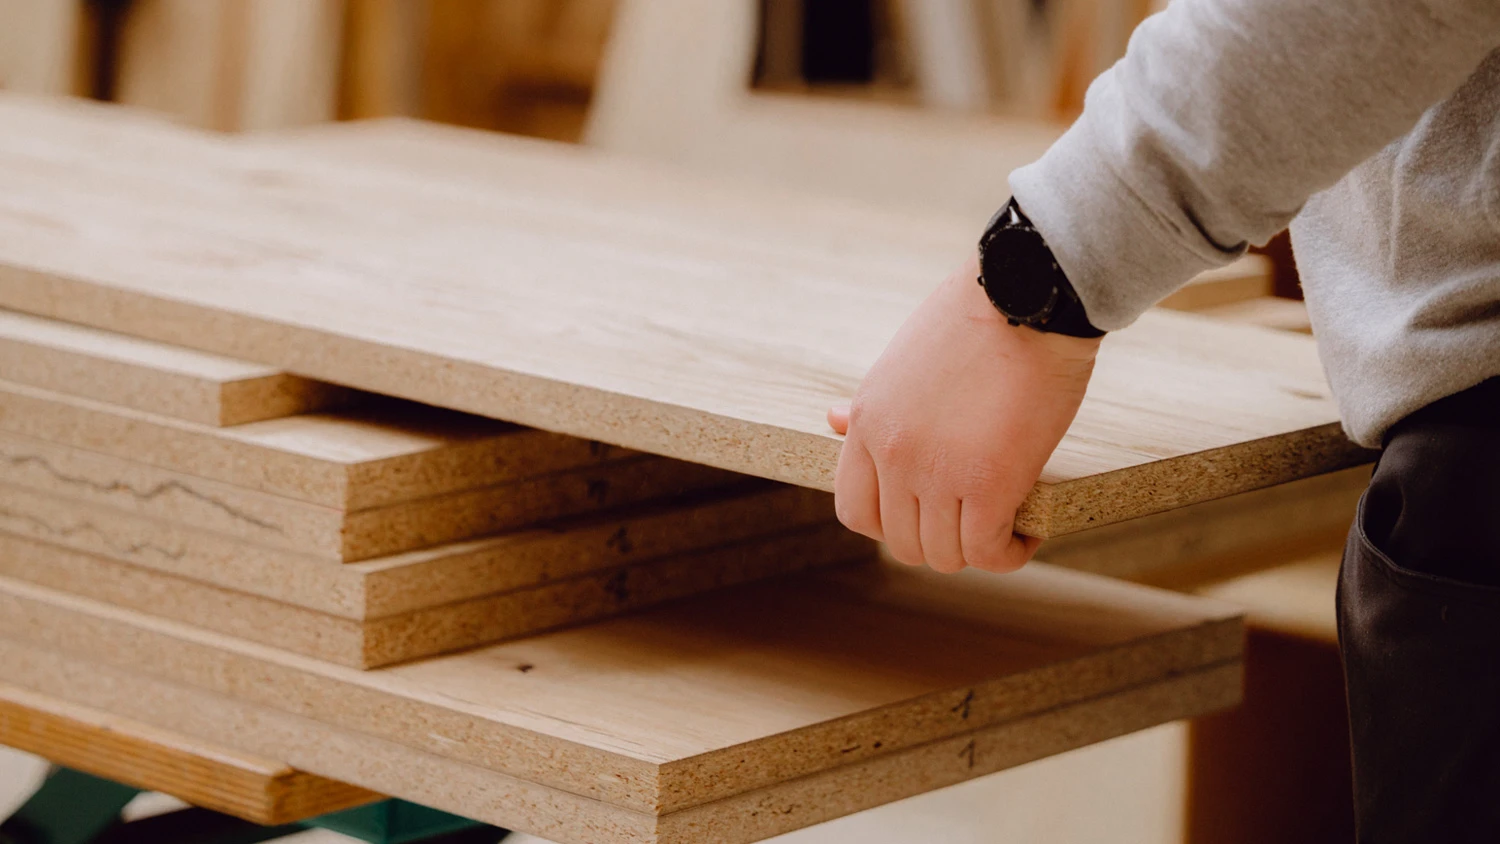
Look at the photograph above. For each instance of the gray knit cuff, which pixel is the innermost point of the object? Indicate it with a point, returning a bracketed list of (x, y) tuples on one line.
[(1120, 256)]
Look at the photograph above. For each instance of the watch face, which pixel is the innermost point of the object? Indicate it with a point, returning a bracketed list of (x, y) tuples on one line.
[(1019, 274)]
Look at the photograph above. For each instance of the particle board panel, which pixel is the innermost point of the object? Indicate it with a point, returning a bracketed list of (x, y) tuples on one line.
[(424, 579), (381, 453), (342, 535), (369, 643), (155, 377), (216, 777), (1231, 536), (702, 700), (432, 779), (725, 352)]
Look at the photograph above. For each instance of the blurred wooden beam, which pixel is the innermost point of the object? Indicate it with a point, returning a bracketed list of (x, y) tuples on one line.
[(233, 65), (40, 46)]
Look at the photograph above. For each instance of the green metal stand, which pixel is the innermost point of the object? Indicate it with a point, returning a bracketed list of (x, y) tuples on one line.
[(72, 807)]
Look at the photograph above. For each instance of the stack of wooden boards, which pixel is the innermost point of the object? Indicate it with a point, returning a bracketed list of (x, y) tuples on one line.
[(224, 494), (560, 291)]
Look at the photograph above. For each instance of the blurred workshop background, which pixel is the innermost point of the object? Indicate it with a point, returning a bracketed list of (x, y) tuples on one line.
[(923, 105)]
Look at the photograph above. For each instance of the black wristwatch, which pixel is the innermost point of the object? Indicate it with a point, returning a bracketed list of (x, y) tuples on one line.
[(1022, 278)]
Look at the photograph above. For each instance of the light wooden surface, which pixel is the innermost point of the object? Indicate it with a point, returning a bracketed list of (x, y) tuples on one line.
[(1295, 598), (255, 788), (371, 642), (378, 454), (681, 345), (322, 532), (40, 41), (414, 580), (154, 377), (233, 65), (565, 817), (1267, 312), (705, 699)]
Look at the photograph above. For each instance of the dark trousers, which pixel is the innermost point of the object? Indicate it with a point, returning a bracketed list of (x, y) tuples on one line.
[(1419, 626)]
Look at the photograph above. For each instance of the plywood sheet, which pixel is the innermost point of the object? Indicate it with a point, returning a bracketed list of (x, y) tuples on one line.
[(335, 534), (368, 643), (722, 349), (557, 815), (416, 580), (214, 776), (381, 453), (703, 700), (155, 377)]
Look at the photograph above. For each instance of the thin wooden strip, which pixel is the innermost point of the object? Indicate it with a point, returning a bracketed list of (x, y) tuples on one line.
[(684, 347), (700, 700), (154, 377), (434, 780), (150, 758), (380, 454), (414, 580), (437, 629)]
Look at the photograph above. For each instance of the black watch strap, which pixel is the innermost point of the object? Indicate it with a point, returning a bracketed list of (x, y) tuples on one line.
[(1068, 316), (1028, 287)]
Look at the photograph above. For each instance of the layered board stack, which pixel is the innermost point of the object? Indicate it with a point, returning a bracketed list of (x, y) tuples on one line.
[(295, 587), (371, 534)]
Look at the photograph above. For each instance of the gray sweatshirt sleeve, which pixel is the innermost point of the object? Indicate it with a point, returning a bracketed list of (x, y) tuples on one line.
[(1223, 118)]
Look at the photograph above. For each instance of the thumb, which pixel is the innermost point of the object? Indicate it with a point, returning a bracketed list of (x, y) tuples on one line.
[(838, 419)]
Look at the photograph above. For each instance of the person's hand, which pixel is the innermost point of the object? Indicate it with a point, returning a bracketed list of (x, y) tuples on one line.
[(951, 428)]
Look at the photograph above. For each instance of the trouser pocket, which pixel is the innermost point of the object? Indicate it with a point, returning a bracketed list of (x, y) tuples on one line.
[(1422, 665)]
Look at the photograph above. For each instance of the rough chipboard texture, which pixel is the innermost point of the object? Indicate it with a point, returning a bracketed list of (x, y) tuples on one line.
[(154, 377), (600, 313), (703, 700), (561, 816), (382, 453), (444, 627)]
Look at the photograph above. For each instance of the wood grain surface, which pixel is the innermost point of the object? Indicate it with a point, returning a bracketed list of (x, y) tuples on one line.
[(415, 580), (255, 788), (703, 700), (154, 377), (316, 531), (717, 343), (381, 453), (435, 780)]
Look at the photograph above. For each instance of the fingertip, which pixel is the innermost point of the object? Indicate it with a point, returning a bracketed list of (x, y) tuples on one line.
[(838, 419)]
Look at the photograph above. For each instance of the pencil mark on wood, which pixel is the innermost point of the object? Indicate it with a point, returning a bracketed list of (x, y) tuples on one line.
[(618, 586), (144, 495), (968, 753), (963, 706), (620, 541), (598, 490)]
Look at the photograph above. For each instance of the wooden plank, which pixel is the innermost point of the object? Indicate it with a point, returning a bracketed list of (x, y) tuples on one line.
[(1295, 598), (40, 42), (1184, 548), (703, 700), (372, 642), (560, 816), (1251, 277), (1266, 312), (247, 786), (233, 65), (154, 377), (322, 532), (378, 454), (686, 350), (415, 580)]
